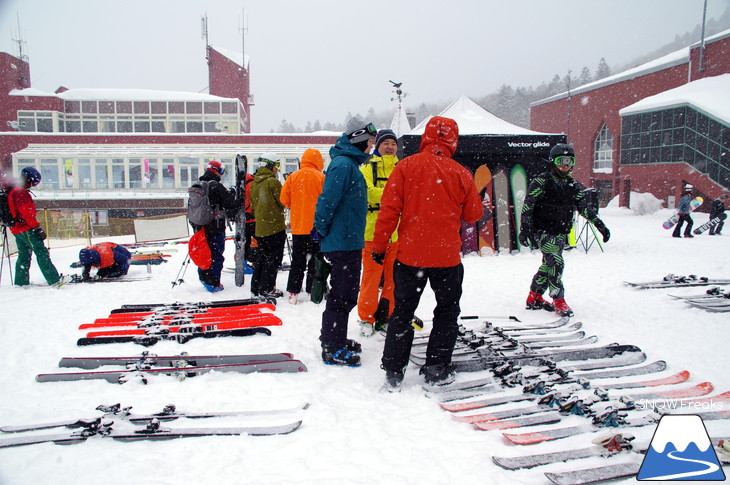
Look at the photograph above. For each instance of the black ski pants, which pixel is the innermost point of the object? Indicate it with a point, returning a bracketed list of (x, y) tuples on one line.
[(304, 248), (410, 282), (342, 297), (271, 253), (678, 228)]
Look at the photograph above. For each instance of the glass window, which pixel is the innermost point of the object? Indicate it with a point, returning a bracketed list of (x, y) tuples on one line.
[(168, 172), (135, 173), (91, 126), (603, 149), (124, 126), (141, 126), (142, 107), (177, 127), (49, 173), (194, 107), (118, 176), (159, 107), (45, 125), (158, 127), (678, 117), (176, 107), (26, 124), (68, 172), (194, 126), (124, 107), (72, 106), (108, 125), (212, 107), (151, 173), (73, 127), (703, 125), (88, 107), (106, 107), (210, 127), (189, 169), (84, 173), (229, 108), (691, 119)]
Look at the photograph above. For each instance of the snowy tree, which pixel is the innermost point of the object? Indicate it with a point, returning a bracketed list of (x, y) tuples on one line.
[(317, 126), (585, 76), (602, 70)]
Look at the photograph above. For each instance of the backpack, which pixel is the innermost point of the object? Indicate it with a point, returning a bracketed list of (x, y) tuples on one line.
[(6, 217), (200, 211)]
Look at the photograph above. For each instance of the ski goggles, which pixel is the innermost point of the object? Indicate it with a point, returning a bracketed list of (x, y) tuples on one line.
[(564, 161), (363, 134)]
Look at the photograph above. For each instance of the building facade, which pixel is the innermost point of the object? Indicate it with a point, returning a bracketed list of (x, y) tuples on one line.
[(658, 150)]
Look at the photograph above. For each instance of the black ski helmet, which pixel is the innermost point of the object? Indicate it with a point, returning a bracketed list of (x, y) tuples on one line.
[(561, 149), (32, 175)]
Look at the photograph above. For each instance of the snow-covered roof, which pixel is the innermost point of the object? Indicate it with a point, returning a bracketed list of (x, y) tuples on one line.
[(31, 92), (475, 120), (232, 55), (92, 94), (710, 95)]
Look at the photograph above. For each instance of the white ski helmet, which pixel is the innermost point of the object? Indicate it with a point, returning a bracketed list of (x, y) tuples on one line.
[(688, 187), (269, 159)]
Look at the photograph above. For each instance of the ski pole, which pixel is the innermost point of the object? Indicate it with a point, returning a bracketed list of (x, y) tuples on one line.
[(179, 278)]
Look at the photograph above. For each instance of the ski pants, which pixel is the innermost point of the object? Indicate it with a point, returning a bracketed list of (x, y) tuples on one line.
[(217, 244), (271, 253), (371, 299), (28, 243), (342, 297), (410, 282), (304, 248), (678, 228), (550, 274), (717, 228)]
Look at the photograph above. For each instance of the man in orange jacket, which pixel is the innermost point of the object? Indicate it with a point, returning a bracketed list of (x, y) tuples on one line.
[(299, 193), (427, 196)]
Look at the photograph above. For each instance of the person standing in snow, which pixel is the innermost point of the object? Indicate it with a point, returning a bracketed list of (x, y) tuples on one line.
[(717, 210), (224, 205), (547, 218), (427, 196), (683, 209), (29, 235), (111, 259), (270, 225), (339, 222), (374, 307), (299, 193)]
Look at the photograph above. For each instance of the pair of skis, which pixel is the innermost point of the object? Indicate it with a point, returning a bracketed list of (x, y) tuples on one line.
[(182, 366), (674, 281), (104, 426)]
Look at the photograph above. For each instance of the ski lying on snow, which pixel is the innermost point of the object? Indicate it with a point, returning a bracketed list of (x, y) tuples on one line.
[(169, 413), (147, 358), (148, 340), (262, 320), (201, 304), (121, 376), (685, 282), (596, 474), (150, 433), (196, 314)]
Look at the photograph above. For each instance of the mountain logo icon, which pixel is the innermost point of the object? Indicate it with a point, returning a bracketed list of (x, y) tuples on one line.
[(681, 450)]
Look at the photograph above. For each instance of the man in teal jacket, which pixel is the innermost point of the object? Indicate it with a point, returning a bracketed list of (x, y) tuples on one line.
[(339, 222)]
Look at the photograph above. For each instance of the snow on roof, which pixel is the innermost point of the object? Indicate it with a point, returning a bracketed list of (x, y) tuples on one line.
[(710, 95), (400, 124), (232, 55), (475, 120), (104, 94), (30, 92)]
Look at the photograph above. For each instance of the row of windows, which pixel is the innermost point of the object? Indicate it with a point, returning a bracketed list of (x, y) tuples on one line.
[(674, 121), (151, 107), (129, 124), (104, 173)]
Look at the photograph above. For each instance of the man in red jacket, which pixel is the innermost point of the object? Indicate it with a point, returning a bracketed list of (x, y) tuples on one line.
[(429, 193), (29, 234)]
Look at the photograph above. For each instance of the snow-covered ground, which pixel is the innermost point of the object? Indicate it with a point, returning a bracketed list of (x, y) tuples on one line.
[(352, 433)]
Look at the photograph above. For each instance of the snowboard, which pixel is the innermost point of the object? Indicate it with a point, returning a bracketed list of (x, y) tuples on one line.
[(469, 237), (518, 182), (240, 255), (709, 224), (502, 210), (693, 204), (485, 225)]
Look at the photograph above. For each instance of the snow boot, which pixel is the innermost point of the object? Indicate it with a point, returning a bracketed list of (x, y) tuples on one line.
[(213, 289), (353, 346), (535, 301), (366, 329), (562, 308), (438, 374), (275, 293), (341, 356), (293, 298), (381, 327), (393, 380)]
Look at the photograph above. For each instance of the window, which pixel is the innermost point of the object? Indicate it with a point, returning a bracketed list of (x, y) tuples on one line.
[(168, 172), (118, 176), (91, 126), (45, 125), (84, 173), (151, 172), (88, 106), (603, 150), (49, 173), (101, 173), (135, 173)]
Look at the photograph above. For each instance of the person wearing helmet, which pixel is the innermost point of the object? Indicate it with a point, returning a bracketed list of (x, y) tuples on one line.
[(270, 226), (225, 206), (111, 259), (718, 210), (547, 218), (29, 234), (684, 210), (373, 305), (339, 222)]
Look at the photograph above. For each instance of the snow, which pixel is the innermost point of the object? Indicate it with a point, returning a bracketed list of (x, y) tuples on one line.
[(710, 95), (352, 433), (121, 94)]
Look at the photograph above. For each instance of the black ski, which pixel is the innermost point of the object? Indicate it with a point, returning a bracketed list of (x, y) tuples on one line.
[(150, 307), (150, 359), (240, 240)]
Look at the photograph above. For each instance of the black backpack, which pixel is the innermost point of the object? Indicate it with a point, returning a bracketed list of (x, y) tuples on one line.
[(6, 217)]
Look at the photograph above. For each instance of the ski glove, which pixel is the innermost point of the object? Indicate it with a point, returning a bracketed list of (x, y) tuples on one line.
[(603, 230), (316, 236), (379, 258), (526, 239), (40, 233)]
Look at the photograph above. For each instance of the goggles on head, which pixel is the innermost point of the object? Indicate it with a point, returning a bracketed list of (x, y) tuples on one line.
[(363, 134), (564, 161)]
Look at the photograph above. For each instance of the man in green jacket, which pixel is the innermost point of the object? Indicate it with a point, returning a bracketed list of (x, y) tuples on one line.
[(270, 226)]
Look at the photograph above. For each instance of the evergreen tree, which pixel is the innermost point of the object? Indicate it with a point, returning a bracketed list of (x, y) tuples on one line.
[(317, 126), (585, 77), (602, 70)]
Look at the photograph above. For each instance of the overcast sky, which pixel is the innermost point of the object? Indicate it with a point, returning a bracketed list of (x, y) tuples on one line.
[(320, 59)]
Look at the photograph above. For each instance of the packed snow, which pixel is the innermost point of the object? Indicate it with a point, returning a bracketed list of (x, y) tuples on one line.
[(352, 433)]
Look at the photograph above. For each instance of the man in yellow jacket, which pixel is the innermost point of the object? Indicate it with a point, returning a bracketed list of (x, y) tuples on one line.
[(374, 307), (299, 193)]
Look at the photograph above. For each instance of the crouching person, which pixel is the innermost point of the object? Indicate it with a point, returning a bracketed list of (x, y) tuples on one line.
[(112, 260)]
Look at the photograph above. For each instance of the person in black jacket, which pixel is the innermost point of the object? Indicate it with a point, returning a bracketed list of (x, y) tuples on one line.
[(716, 209), (547, 218), (224, 205)]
